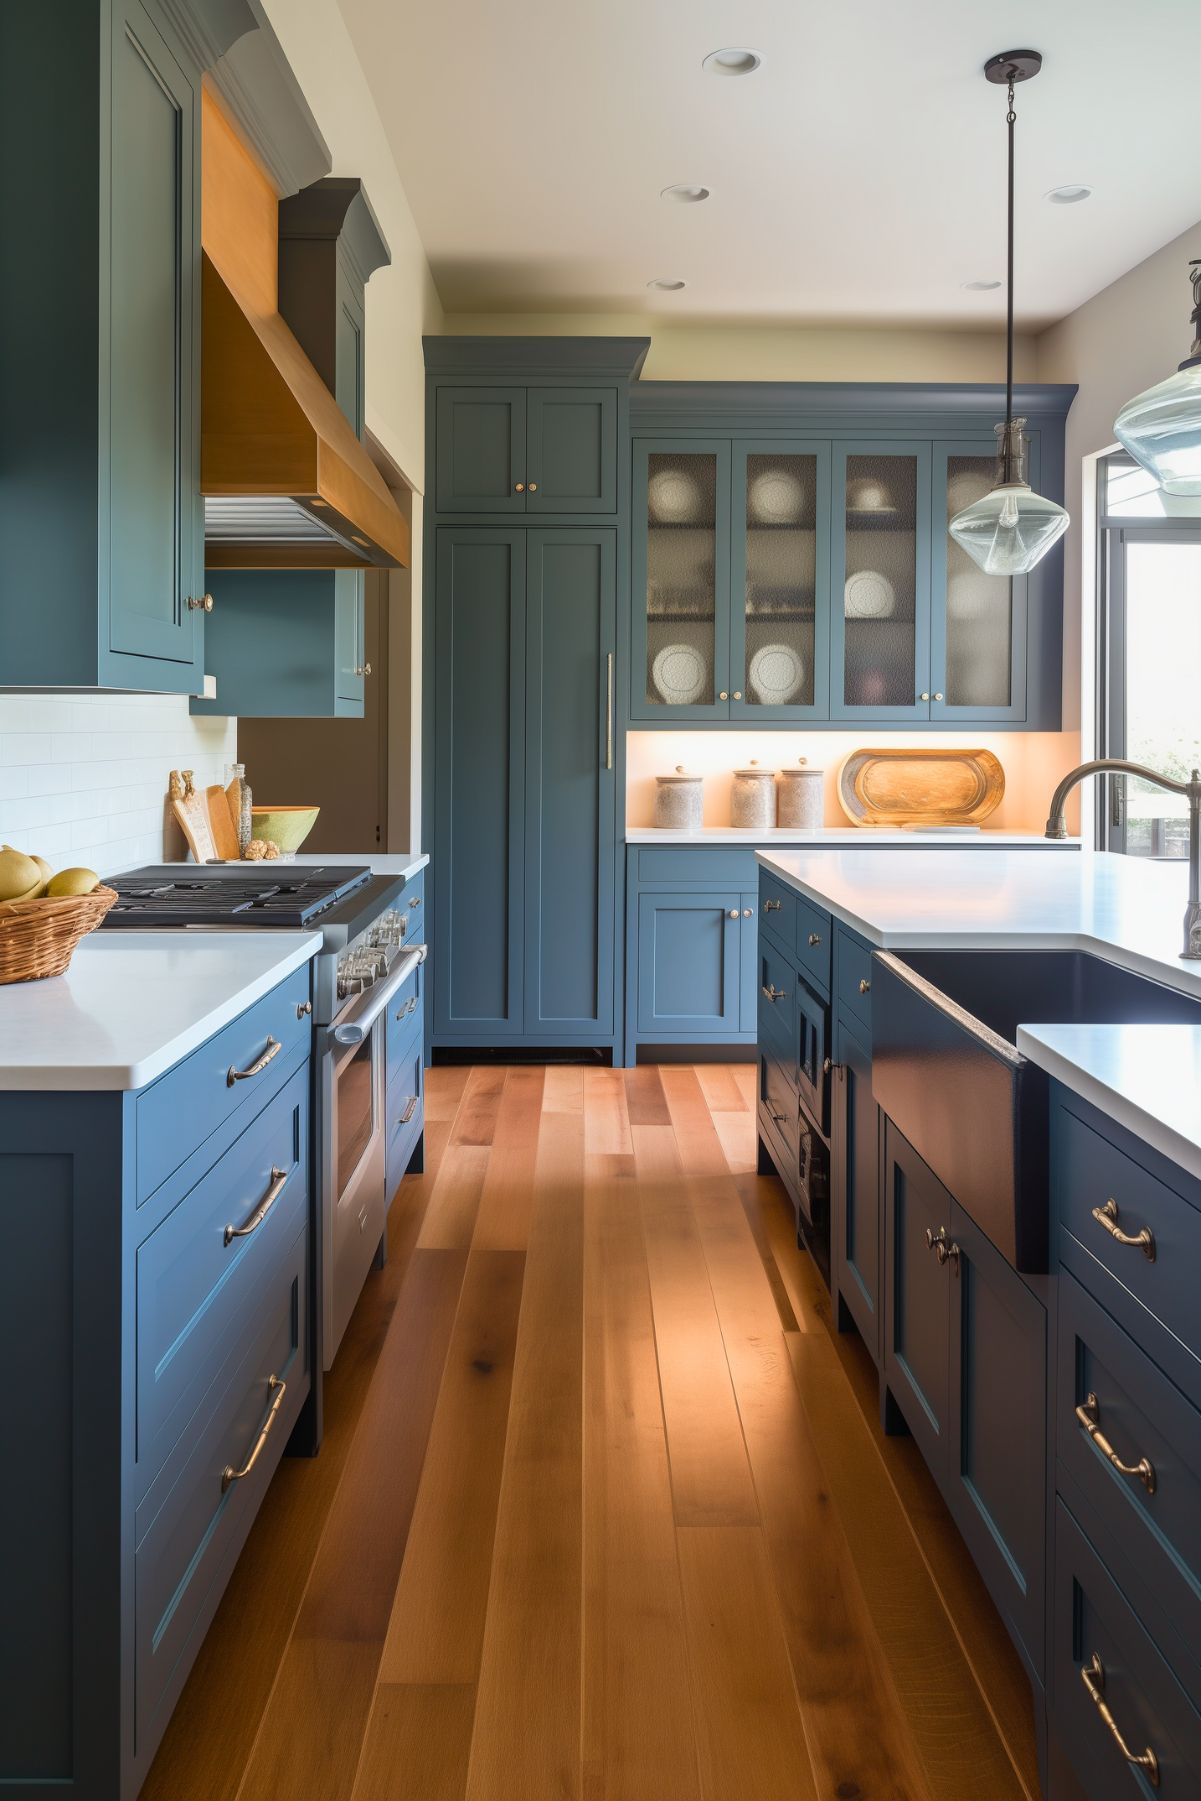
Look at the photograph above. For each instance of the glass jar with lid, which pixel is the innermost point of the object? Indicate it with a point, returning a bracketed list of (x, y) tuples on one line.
[(802, 799), (679, 800), (753, 798)]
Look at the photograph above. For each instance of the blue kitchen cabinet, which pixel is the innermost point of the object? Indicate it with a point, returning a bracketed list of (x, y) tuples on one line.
[(779, 663), (525, 785), (680, 642), (513, 450), (690, 965), (855, 1202), (154, 1296), (880, 582), (917, 1320), (100, 380)]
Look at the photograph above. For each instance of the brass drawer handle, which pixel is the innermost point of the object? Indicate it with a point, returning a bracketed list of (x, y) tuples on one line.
[(232, 1075), (1107, 1216), (865, 986), (1093, 1678), (772, 906), (815, 938), (279, 1179), (1089, 1415), (409, 1111), (275, 1386), (772, 993)]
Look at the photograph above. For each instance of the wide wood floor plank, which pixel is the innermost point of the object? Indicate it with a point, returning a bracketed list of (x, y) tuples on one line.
[(506, 1198), (701, 1152), (436, 1627), (646, 1103), (748, 1724), (526, 1740), (417, 1745), (444, 1086), (638, 1741), (563, 1089), (710, 1477), (718, 1085), (606, 1119), (454, 1198), (475, 1121)]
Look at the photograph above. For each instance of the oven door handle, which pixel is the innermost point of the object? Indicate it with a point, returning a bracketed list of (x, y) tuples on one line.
[(368, 1008)]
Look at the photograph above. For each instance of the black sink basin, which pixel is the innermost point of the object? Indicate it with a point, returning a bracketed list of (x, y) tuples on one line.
[(946, 1070)]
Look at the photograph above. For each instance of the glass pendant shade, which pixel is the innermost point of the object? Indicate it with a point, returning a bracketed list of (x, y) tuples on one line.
[(1012, 528), (1161, 429)]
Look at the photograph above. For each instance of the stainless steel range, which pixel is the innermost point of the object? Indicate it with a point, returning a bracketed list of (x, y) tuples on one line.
[(371, 948)]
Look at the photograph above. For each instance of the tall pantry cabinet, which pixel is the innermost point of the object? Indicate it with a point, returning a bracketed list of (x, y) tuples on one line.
[(527, 545)]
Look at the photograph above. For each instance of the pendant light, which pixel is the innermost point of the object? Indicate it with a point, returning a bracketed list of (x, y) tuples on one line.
[(1012, 528), (1162, 428)]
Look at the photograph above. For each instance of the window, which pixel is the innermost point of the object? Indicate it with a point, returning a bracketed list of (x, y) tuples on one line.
[(1149, 701)]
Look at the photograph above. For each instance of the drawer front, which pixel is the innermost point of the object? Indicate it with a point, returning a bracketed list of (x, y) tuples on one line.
[(412, 904), (853, 977), (718, 864), (202, 1269), (1092, 1175), (405, 1106), (777, 910), (406, 1012), (1092, 1619), (181, 1109), (190, 1527), (778, 1099), (1148, 1514), (814, 943), (777, 982)]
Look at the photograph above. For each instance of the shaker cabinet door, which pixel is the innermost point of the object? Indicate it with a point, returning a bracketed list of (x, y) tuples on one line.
[(570, 781), (154, 544), (481, 450), (571, 450), (690, 963), (855, 1251), (917, 1220), (479, 779)]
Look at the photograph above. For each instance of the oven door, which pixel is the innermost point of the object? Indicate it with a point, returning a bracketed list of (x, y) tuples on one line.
[(353, 1150), (813, 1063)]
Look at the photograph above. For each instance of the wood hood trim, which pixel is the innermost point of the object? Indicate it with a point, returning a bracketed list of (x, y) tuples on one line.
[(269, 424)]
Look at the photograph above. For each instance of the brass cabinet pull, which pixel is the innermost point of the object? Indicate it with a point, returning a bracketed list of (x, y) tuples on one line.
[(200, 603), (733, 912), (938, 696), (815, 938), (865, 986), (410, 1006), (934, 1238), (1093, 1678), (1107, 1216), (946, 1250), (747, 912), (923, 695), (303, 1007), (770, 906), (738, 694), (609, 711), (1089, 1415), (279, 1178), (409, 1111), (519, 487), (232, 1075), (723, 695), (533, 487), (416, 901), (363, 669), (275, 1386), (772, 993)]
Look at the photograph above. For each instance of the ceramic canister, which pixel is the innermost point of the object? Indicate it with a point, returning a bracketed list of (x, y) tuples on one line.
[(801, 797), (679, 801), (753, 798)]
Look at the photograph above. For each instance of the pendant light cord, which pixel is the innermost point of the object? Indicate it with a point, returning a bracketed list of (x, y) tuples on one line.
[(1011, 119)]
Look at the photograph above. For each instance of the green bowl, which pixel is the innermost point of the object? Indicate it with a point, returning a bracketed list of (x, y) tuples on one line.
[(286, 826)]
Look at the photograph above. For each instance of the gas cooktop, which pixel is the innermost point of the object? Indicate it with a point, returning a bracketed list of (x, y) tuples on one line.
[(239, 897)]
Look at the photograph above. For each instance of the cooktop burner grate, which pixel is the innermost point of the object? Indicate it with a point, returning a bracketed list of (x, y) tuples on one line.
[(168, 897)]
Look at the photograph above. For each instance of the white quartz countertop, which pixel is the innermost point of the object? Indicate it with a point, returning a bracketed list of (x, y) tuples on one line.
[(1146, 1078), (863, 838), (401, 863), (132, 1004)]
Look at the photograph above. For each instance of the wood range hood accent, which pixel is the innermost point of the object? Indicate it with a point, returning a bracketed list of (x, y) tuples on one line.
[(287, 484)]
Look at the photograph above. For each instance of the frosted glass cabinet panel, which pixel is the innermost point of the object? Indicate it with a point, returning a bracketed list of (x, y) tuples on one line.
[(880, 586), (682, 578), (978, 621), (779, 651)]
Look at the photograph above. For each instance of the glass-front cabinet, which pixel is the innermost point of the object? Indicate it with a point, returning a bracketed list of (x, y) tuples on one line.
[(977, 621), (880, 583), (780, 564), (682, 571)]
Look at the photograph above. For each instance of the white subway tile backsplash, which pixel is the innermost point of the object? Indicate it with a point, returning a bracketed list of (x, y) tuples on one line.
[(85, 777)]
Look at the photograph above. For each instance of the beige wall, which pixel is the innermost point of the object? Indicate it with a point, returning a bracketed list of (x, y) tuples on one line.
[(773, 353), (1124, 339)]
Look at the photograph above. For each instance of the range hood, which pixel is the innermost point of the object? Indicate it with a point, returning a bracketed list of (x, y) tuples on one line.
[(286, 483)]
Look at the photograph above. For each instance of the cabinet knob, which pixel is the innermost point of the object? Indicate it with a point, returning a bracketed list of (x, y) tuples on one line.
[(815, 938), (200, 603), (923, 695), (747, 912), (738, 694), (303, 1007), (533, 487), (938, 697), (865, 986), (363, 669), (519, 487), (723, 695), (733, 912)]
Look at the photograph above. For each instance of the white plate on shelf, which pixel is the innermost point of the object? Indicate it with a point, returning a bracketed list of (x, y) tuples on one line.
[(674, 497), (680, 675), (777, 497), (869, 595), (775, 675)]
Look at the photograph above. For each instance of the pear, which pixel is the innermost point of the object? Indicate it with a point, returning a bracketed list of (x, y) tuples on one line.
[(71, 882), (20, 876)]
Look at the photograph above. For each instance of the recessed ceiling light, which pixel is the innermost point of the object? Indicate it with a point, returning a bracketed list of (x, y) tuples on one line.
[(1070, 195), (980, 287), (732, 62), (666, 285), (685, 193)]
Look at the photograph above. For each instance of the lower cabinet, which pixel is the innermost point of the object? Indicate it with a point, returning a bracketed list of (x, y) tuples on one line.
[(965, 1361), (855, 1210), (690, 964)]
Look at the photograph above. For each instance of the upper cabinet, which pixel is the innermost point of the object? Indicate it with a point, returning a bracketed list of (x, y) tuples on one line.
[(791, 567), (101, 527)]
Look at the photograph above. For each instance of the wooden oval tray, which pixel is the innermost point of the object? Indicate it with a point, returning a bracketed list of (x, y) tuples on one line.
[(920, 787)]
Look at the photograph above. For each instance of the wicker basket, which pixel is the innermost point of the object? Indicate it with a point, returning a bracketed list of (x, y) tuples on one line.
[(38, 937)]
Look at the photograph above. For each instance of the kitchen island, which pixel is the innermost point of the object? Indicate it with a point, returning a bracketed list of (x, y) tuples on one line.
[(986, 1073)]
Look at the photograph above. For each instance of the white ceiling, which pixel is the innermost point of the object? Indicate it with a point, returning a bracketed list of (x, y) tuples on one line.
[(858, 175)]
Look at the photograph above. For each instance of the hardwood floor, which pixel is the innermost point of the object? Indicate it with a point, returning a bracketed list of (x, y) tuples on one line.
[(603, 1512)]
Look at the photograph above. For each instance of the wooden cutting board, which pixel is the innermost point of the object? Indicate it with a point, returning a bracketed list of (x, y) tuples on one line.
[(920, 787), (193, 815), (221, 824)]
